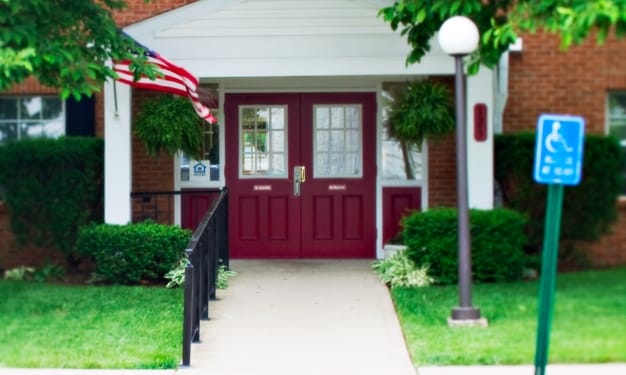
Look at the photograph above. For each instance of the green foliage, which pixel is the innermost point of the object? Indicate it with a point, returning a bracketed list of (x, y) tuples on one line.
[(129, 254), (400, 271), (19, 273), (497, 243), (177, 275), (588, 208), (169, 124), (47, 272), (500, 21), (53, 186), (65, 44), (223, 275), (423, 110)]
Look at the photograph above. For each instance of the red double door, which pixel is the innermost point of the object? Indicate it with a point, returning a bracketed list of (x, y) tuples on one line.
[(301, 172)]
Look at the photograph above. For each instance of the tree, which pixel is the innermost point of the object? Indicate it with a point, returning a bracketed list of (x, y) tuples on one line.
[(501, 21), (64, 43)]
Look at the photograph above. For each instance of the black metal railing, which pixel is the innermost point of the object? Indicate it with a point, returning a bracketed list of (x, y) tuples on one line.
[(206, 251)]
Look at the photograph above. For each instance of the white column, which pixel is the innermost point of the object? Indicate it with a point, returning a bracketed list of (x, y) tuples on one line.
[(117, 153), (480, 90)]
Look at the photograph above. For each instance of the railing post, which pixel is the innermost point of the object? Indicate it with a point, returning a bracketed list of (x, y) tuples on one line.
[(188, 311)]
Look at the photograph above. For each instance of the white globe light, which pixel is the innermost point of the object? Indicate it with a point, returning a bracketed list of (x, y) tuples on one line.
[(458, 36)]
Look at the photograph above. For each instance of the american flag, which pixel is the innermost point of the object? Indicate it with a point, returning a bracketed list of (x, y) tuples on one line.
[(170, 78)]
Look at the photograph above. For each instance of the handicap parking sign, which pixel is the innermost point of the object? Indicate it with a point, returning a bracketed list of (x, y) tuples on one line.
[(559, 149)]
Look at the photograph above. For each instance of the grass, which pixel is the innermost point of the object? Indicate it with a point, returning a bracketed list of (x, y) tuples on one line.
[(62, 326), (589, 323)]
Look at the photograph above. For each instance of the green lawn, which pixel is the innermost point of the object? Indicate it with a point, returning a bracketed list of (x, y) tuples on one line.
[(589, 324), (47, 325)]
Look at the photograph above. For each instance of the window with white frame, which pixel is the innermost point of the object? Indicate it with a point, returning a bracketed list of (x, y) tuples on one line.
[(31, 117), (616, 120)]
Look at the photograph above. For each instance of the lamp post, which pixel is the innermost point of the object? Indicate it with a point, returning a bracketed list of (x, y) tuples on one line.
[(458, 37)]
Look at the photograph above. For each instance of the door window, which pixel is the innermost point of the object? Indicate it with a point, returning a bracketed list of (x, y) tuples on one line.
[(337, 135), (263, 141)]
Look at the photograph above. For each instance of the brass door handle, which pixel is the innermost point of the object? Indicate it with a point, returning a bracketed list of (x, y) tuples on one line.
[(298, 178)]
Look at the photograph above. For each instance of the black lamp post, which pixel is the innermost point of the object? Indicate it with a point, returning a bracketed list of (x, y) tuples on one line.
[(458, 37)]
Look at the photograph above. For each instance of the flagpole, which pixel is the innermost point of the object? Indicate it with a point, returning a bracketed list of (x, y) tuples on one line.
[(116, 114)]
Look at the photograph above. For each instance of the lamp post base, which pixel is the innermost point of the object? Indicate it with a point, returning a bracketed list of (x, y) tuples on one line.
[(466, 317), (465, 313), (480, 322)]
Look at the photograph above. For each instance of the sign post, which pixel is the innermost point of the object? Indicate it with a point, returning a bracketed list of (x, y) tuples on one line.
[(558, 162)]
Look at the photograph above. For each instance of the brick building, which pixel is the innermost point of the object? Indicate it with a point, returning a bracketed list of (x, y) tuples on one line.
[(337, 61)]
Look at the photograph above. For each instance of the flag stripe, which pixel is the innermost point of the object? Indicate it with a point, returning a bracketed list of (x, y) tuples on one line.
[(171, 79)]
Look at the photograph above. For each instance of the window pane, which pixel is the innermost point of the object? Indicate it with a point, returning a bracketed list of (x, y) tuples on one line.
[(338, 151), (8, 132), (52, 108), (31, 117), (263, 141), (617, 125), (31, 108), (8, 109), (322, 119)]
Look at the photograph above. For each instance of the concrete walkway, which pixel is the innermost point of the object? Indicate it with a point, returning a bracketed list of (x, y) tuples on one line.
[(302, 317)]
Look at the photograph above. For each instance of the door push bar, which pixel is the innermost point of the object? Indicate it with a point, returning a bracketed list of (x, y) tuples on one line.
[(298, 178)]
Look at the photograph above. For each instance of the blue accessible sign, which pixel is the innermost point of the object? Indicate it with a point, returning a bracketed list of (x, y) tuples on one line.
[(559, 149)]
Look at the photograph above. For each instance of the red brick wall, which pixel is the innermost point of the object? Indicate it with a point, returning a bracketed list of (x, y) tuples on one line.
[(150, 173), (543, 78), (442, 161), (442, 172), (138, 10)]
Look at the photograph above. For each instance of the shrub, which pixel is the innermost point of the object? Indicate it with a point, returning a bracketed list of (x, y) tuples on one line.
[(53, 186), (399, 270), (497, 242), (176, 275), (128, 254), (588, 208)]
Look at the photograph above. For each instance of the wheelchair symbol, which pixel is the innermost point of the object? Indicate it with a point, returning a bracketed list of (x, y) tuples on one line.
[(555, 142)]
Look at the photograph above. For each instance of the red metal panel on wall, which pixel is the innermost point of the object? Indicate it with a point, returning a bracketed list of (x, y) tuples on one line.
[(397, 203), (194, 206)]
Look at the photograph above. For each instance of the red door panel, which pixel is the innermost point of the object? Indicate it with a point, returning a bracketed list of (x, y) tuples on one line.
[(265, 215), (331, 218), (343, 224)]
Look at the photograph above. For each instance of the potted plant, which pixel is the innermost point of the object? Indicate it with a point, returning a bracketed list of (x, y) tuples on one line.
[(168, 124)]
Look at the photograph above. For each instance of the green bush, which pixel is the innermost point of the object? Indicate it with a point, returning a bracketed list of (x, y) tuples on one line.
[(128, 254), (588, 208), (53, 187), (497, 243)]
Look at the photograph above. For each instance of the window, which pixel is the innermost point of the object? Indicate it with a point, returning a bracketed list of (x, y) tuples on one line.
[(400, 162), (617, 124), (263, 141), (338, 141), (31, 117)]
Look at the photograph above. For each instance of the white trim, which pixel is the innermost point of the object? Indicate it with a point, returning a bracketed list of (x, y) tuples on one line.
[(380, 253), (117, 153), (480, 89)]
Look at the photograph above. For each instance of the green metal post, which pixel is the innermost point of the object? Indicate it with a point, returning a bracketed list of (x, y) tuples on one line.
[(548, 275)]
